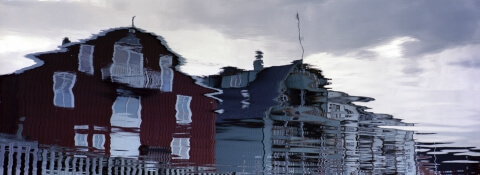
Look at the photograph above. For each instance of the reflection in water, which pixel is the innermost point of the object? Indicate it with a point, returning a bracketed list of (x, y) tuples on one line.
[(309, 129), (116, 96), (433, 157), (62, 88), (119, 105)]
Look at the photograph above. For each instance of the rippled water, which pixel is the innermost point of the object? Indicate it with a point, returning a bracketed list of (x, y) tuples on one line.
[(115, 104), (122, 101)]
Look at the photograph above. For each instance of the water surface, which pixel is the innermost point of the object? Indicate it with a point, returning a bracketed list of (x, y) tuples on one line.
[(117, 116)]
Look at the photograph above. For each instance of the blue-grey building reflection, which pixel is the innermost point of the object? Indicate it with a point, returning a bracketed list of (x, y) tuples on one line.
[(302, 126)]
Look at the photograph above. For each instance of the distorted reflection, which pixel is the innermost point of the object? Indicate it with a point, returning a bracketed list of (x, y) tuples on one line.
[(63, 83), (85, 59), (126, 112), (307, 130), (120, 106), (128, 68)]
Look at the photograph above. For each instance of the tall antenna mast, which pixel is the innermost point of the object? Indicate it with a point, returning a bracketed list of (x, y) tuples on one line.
[(299, 36), (133, 24)]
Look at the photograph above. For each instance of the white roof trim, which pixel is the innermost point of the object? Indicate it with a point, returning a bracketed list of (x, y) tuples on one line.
[(37, 61), (198, 81)]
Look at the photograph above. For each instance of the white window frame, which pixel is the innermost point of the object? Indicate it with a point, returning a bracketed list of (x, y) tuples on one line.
[(100, 128), (81, 139), (236, 80), (124, 118), (166, 73), (77, 127), (63, 90), (181, 148), (246, 101), (127, 64), (127, 72), (85, 59), (182, 106), (98, 141), (153, 80)]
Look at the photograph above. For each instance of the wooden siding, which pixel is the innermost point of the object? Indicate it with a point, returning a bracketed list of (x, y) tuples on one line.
[(94, 99)]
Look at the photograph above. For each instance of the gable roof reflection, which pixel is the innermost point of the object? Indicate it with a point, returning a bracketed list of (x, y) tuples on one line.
[(130, 39), (248, 94), (123, 80)]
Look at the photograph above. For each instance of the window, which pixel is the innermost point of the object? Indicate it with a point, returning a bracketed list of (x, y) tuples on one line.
[(127, 66), (153, 80), (126, 61), (81, 139), (181, 148), (236, 80), (62, 88), (166, 73), (124, 143), (99, 141), (334, 107), (126, 112), (246, 101), (184, 113), (85, 59)]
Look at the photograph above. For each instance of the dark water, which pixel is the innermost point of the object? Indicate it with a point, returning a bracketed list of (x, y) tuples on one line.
[(139, 117)]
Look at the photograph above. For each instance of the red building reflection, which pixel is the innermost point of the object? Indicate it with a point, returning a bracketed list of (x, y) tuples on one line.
[(118, 94)]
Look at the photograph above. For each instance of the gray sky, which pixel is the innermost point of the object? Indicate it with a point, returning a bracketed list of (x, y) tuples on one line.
[(336, 27), (419, 59)]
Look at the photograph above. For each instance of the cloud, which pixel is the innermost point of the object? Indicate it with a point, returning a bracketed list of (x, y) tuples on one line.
[(436, 24), (472, 63), (13, 62), (329, 26), (462, 57), (365, 54), (332, 26), (340, 26), (412, 69), (14, 46)]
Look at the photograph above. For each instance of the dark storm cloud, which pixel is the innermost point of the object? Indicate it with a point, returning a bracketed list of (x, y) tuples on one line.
[(340, 26), (332, 26), (436, 24)]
